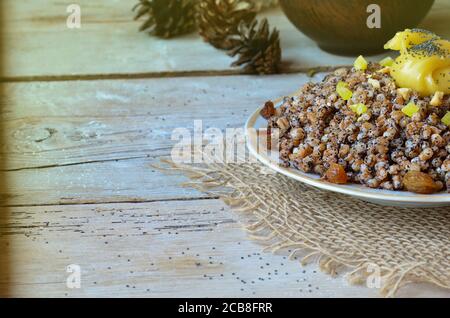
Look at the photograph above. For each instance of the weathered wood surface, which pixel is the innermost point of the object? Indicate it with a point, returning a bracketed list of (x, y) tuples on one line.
[(62, 123), (97, 145), (172, 241), (160, 249), (38, 43)]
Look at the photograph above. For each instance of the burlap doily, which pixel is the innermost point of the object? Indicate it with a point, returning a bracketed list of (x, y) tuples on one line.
[(406, 245)]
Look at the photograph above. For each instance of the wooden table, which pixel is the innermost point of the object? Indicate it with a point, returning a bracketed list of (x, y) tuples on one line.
[(86, 112)]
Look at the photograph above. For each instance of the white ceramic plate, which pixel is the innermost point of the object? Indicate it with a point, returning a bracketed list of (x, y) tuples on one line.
[(378, 196)]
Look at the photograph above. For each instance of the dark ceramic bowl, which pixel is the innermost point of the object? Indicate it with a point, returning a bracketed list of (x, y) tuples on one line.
[(340, 26)]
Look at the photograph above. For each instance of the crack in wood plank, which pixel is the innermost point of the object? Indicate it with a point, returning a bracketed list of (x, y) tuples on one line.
[(162, 75), (137, 201), (76, 163)]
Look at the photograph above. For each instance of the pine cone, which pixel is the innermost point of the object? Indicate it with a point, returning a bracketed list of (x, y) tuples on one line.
[(166, 18), (258, 49), (219, 19)]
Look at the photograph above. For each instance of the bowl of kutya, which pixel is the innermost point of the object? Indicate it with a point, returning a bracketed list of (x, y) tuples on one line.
[(379, 131), (341, 26)]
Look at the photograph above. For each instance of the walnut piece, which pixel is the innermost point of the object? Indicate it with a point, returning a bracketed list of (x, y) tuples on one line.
[(437, 99), (405, 93), (283, 123)]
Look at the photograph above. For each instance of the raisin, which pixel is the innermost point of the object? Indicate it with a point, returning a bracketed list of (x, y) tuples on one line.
[(336, 174), (268, 110), (419, 182)]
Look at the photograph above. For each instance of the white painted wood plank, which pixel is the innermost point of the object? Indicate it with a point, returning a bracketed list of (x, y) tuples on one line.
[(97, 145), (160, 249), (47, 124), (132, 180)]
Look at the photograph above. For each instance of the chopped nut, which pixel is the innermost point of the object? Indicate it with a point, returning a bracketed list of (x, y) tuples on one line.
[(341, 71), (446, 165), (437, 140), (405, 93), (426, 154), (305, 151), (283, 123), (437, 99), (375, 83), (344, 150), (297, 135), (373, 183), (268, 110)]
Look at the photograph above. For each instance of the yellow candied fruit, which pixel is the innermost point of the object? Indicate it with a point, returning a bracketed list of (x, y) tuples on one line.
[(410, 109), (343, 91), (446, 119), (360, 63), (388, 61), (359, 108)]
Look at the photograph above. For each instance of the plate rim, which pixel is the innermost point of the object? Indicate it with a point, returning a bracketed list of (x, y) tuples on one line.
[(360, 191)]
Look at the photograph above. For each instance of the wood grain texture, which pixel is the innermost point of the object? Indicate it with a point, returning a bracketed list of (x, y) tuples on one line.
[(159, 249), (66, 151), (98, 145), (38, 43)]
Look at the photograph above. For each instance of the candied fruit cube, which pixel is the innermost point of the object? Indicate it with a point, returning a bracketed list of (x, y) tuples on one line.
[(446, 119), (387, 61), (341, 84), (359, 108), (360, 63), (343, 91), (410, 109)]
